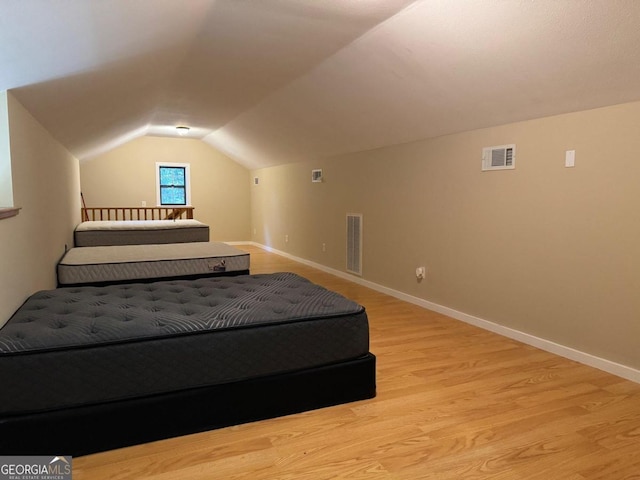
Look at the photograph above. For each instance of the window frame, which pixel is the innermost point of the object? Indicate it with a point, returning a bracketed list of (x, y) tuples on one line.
[(187, 182), (6, 178)]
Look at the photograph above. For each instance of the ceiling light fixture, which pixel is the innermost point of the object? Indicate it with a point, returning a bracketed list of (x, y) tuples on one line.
[(182, 130)]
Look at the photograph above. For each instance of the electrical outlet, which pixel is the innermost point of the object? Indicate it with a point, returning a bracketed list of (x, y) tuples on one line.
[(286, 239), (324, 247), (144, 203), (420, 272)]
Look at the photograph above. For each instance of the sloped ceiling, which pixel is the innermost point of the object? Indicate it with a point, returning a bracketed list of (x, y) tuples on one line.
[(278, 81)]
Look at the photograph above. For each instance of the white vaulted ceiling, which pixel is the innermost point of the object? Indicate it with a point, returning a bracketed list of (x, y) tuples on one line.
[(278, 81)]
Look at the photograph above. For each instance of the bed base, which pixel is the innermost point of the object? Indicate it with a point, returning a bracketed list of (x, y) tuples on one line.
[(89, 429)]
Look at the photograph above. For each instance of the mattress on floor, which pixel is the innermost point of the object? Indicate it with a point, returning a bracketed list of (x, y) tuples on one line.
[(87, 345), (121, 263), (137, 232)]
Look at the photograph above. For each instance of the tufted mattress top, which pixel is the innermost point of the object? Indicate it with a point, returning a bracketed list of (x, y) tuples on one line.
[(138, 225), (136, 232), (123, 263), (73, 317), (82, 345)]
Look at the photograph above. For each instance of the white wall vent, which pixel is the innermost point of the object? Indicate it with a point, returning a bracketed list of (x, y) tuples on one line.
[(499, 158), (354, 243), (316, 176)]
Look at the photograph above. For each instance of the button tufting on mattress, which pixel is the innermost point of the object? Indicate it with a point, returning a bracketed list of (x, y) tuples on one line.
[(212, 303)]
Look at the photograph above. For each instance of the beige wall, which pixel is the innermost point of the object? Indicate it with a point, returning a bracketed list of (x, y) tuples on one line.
[(544, 249), (46, 186), (126, 176)]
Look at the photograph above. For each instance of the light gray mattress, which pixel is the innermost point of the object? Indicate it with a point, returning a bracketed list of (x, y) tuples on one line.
[(87, 345), (119, 263), (139, 232)]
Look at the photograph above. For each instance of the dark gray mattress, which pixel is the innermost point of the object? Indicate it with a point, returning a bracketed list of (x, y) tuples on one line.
[(121, 263), (139, 232), (87, 345)]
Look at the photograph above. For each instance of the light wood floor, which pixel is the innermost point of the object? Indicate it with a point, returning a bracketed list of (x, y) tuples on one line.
[(454, 402)]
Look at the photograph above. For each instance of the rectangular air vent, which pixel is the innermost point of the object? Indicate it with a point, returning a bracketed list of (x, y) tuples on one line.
[(354, 243), (499, 158)]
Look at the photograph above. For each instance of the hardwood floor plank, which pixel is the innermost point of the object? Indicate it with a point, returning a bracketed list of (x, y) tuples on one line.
[(454, 402)]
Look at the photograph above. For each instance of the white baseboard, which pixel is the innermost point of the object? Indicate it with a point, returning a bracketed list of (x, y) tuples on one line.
[(608, 366)]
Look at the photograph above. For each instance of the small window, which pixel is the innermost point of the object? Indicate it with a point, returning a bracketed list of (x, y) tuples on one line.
[(173, 187), (173, 184)]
